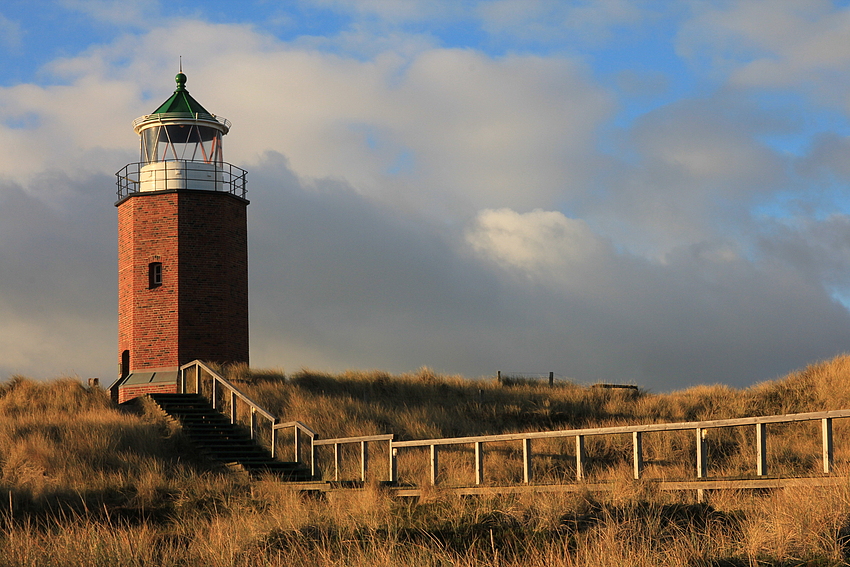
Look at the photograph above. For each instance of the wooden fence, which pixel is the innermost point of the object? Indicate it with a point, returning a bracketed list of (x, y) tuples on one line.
[(700, 428), (198, 377)]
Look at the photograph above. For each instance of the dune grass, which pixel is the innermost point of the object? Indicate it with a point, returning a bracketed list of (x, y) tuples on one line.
[(85, 483)]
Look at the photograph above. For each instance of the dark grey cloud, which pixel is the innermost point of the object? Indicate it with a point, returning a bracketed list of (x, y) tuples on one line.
[(338, 281), (57, 276)]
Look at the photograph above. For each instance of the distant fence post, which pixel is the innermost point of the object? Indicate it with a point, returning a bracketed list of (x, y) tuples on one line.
[(551, 379), (499, 376)]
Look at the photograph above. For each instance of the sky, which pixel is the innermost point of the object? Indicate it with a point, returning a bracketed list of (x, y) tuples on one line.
[(620, 191)]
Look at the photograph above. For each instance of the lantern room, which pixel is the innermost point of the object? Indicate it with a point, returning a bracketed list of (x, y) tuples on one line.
[(181, 149)]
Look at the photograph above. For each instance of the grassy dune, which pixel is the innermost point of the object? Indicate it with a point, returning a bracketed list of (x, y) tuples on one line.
[(83, 483)]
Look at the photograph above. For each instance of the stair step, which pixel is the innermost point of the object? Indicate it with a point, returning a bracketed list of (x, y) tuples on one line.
[(220, 440)]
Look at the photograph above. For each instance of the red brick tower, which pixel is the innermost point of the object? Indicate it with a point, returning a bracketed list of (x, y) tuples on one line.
[(182, 249)]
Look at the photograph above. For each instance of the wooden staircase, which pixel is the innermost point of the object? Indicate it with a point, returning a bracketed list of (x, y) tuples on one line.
[(220, 440)]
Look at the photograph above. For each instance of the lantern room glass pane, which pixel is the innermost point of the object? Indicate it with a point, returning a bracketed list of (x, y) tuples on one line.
[(149, 138), (189, 142)]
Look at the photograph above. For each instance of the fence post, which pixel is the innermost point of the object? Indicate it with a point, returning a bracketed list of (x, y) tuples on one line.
[(253, 423), (213, 392), (197, 378), (434, 464), (637, 446), (297, 444), (551, 379), (274, 438), (336, 462), (580, 457), (826, 433), (527, 471), (761, 449), (479, 463), (701, 464), (393, 462), (312, 459), (364, 459), (233, 406)]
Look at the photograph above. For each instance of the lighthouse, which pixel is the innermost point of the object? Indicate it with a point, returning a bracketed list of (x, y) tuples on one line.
[(182, 249)]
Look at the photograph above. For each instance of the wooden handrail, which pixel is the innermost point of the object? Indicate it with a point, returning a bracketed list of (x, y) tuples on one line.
[(637, 431), (678, 426), (222, 380), (297, 424), (361, 439)]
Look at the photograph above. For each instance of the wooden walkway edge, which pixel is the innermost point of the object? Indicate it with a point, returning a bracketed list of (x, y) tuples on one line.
[(666, 485)]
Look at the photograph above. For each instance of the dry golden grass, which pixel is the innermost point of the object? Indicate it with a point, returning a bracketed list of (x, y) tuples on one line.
[(83, 483)]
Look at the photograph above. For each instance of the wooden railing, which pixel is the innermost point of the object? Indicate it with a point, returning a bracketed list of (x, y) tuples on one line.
[(364, 453), (699, 427), (298, 429), (227, 398)]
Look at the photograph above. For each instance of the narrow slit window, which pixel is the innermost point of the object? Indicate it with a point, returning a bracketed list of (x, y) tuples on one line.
[(154, 274)]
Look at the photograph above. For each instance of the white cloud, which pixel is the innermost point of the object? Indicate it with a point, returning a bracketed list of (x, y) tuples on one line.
[(689, 173), (463, 130), (799, 45), (397, 11), (552, 20), (541, 242)]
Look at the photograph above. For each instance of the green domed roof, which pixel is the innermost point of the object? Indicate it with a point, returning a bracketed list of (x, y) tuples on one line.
[(181, 102)]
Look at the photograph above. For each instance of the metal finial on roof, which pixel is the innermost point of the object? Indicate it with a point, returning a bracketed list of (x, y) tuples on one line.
[(181, 81)]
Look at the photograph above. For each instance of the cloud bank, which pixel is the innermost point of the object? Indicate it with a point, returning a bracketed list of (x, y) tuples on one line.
[(472, 210)]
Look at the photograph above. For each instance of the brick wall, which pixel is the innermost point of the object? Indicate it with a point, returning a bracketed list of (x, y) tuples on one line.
[(213, 294), (201, 309)]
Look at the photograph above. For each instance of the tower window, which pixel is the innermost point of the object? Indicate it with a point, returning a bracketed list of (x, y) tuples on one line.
[(154, 274)]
